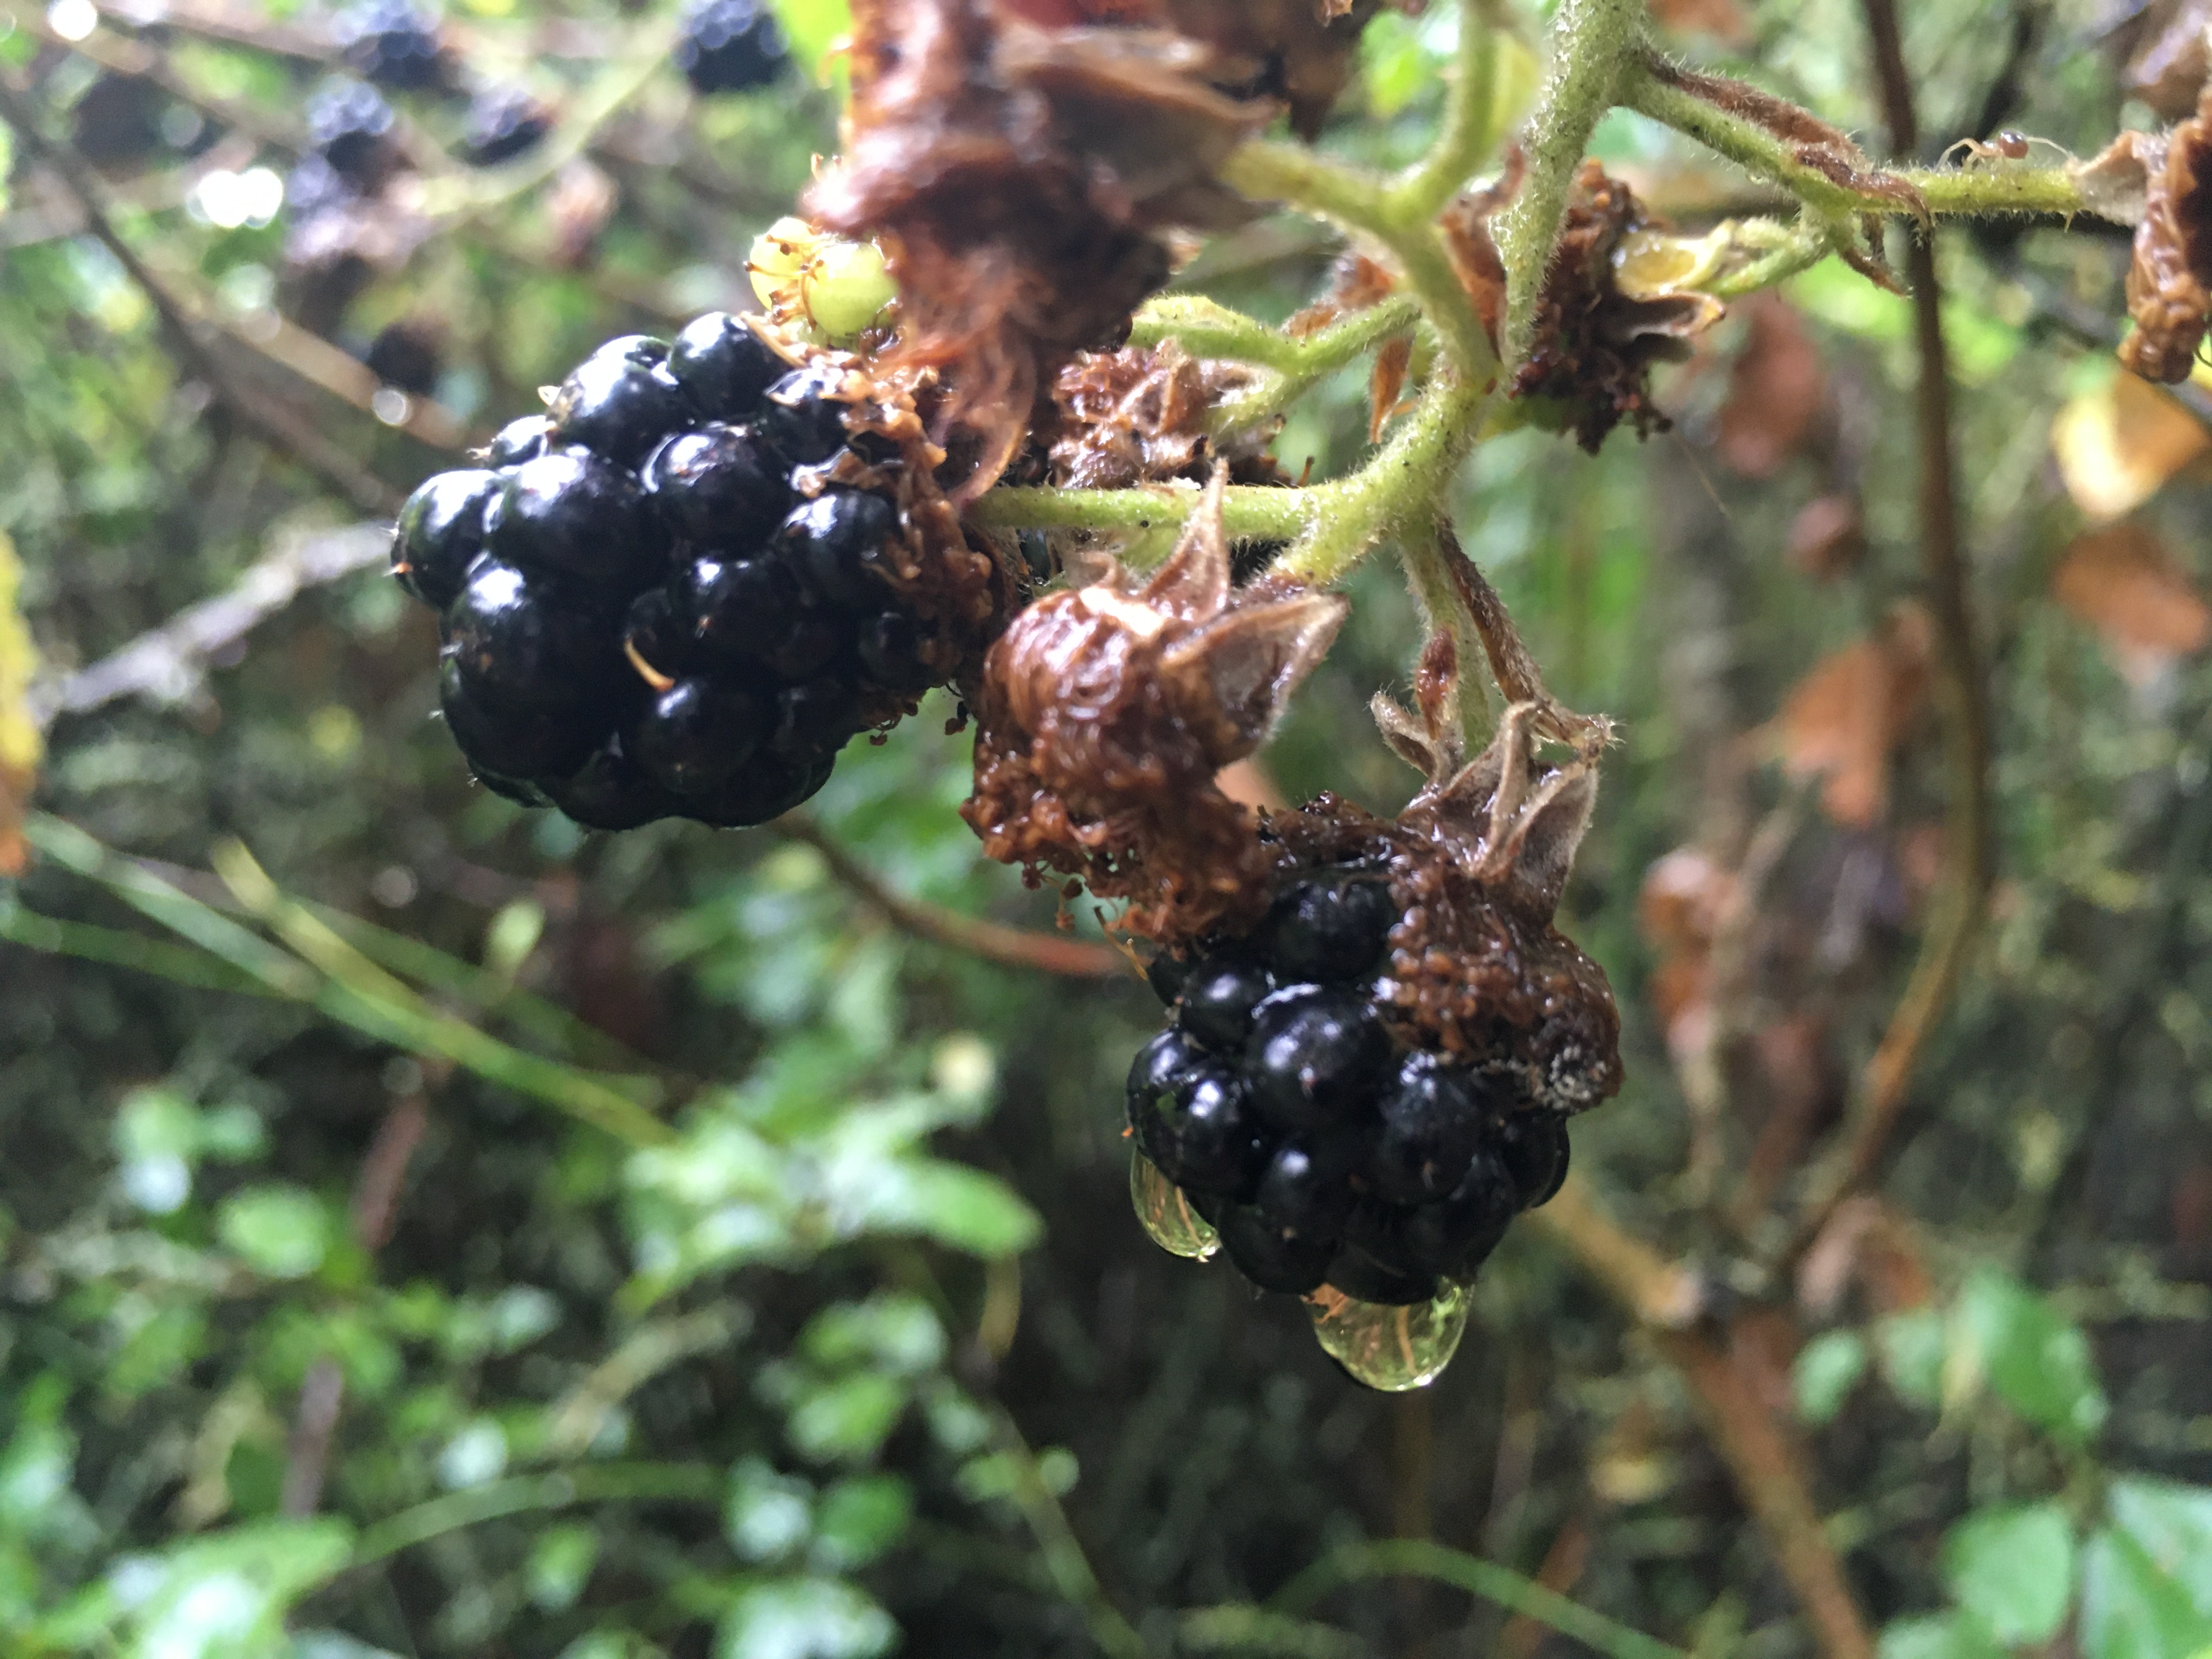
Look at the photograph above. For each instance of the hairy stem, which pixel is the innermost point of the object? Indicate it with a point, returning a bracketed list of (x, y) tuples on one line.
[(1592, 40), (1464, 139)]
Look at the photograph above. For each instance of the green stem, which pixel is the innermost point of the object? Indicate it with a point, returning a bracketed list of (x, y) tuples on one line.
[(1205, 328), (1415, 1557), (1252, 511), (588, 1483), (1361, 200), (1592, 41), (1464, 139), (1065, 1560)]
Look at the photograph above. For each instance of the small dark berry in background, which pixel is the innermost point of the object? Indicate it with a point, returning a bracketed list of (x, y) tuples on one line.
[(404, 357), (393, 43), (501, 124), (730, 45), (351, 127)]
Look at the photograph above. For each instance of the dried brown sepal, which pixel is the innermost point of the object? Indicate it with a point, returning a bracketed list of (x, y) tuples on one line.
[(2170, 278), (1593, 346), (1106, 711), (1386, 383), (1357, 282), (1139, 415), (1473, 251), (1015, 176)]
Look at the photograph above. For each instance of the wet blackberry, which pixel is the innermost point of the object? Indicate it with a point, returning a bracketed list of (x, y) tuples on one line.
[(404, 355), (502, 123), (1324, 1145), (649, 611), (730, 45), (391, 43), (351, 129)]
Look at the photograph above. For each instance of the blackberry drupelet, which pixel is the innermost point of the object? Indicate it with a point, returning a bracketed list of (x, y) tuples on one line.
[(502, 123), (351, 127), (1296, 1117), (730, 45), (652, 608), (394, 43)]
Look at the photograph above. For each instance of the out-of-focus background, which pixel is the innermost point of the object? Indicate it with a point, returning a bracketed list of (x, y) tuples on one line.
[(335, 1322)]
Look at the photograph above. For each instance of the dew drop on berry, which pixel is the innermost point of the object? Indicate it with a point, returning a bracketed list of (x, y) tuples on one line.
[(1331, 930), (1391, 1349), (802, 417), (724, 365), (441, 532), (1218, 1000), (1199, 1128), (718, 488), (1315, 1054), (1165, 1211)]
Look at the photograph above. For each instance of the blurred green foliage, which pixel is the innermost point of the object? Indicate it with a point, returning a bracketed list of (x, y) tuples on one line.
[(435, 1230)]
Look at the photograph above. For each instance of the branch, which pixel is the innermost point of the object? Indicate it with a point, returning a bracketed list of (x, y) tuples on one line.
[(1668, 1300), (1591, 41), (285, 430), (166, 663), (1012, 947), (1966, 859)]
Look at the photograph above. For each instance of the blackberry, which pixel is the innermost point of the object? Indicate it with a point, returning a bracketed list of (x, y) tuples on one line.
[(730, 45), (391, 43), (1329, 1148), (404, 357), (650, 610), (351, 129), (502, 123)]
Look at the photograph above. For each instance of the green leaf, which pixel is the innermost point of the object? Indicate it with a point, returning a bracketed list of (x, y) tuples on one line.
[(848, 1419), (2172, 1523), (860, 1519), (280, 1230), (803, 1618), (961, 1208), (225, 1596), (2132, 1610), (2038, 1362), (560, 1563), (2013, 1569), (1911, 1346), (891, 1331), (770, 1513), (1828, 1368), (1942, 1636)]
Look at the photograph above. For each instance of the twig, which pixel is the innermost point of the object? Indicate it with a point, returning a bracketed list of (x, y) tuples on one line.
[(1015, 947), (167, 662), (1668, 1300), (285, 430), (375, 1203), (1966, 874)]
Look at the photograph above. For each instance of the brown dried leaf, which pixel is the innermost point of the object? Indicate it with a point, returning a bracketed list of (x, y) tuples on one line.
[(1778, 388), (1845, 719), (1139, 415), (1384, 384), (1828, 539), (2167, 63), (2119, 444), (1356, 283), (2123, 583), (2170, 278)]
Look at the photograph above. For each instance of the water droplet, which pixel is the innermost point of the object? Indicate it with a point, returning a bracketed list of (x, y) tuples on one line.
[(1166, 1213), (1392, 1349)]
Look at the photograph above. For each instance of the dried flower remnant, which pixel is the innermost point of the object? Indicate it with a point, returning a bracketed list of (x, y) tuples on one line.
[(2170, 279), (1140, 415), (1105, 712), (1015, 176), (2122, 582), (1593, 344)]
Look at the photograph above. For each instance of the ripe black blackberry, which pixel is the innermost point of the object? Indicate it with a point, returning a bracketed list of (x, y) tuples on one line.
[(730, 45), (684, 589), (394, 43), (1295, 1116), (351, 128), (502, 123)]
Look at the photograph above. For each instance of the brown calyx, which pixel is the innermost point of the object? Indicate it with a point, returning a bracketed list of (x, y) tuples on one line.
[(1139, 415), (1105, 713), (2170, 279), (1593, 346)]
